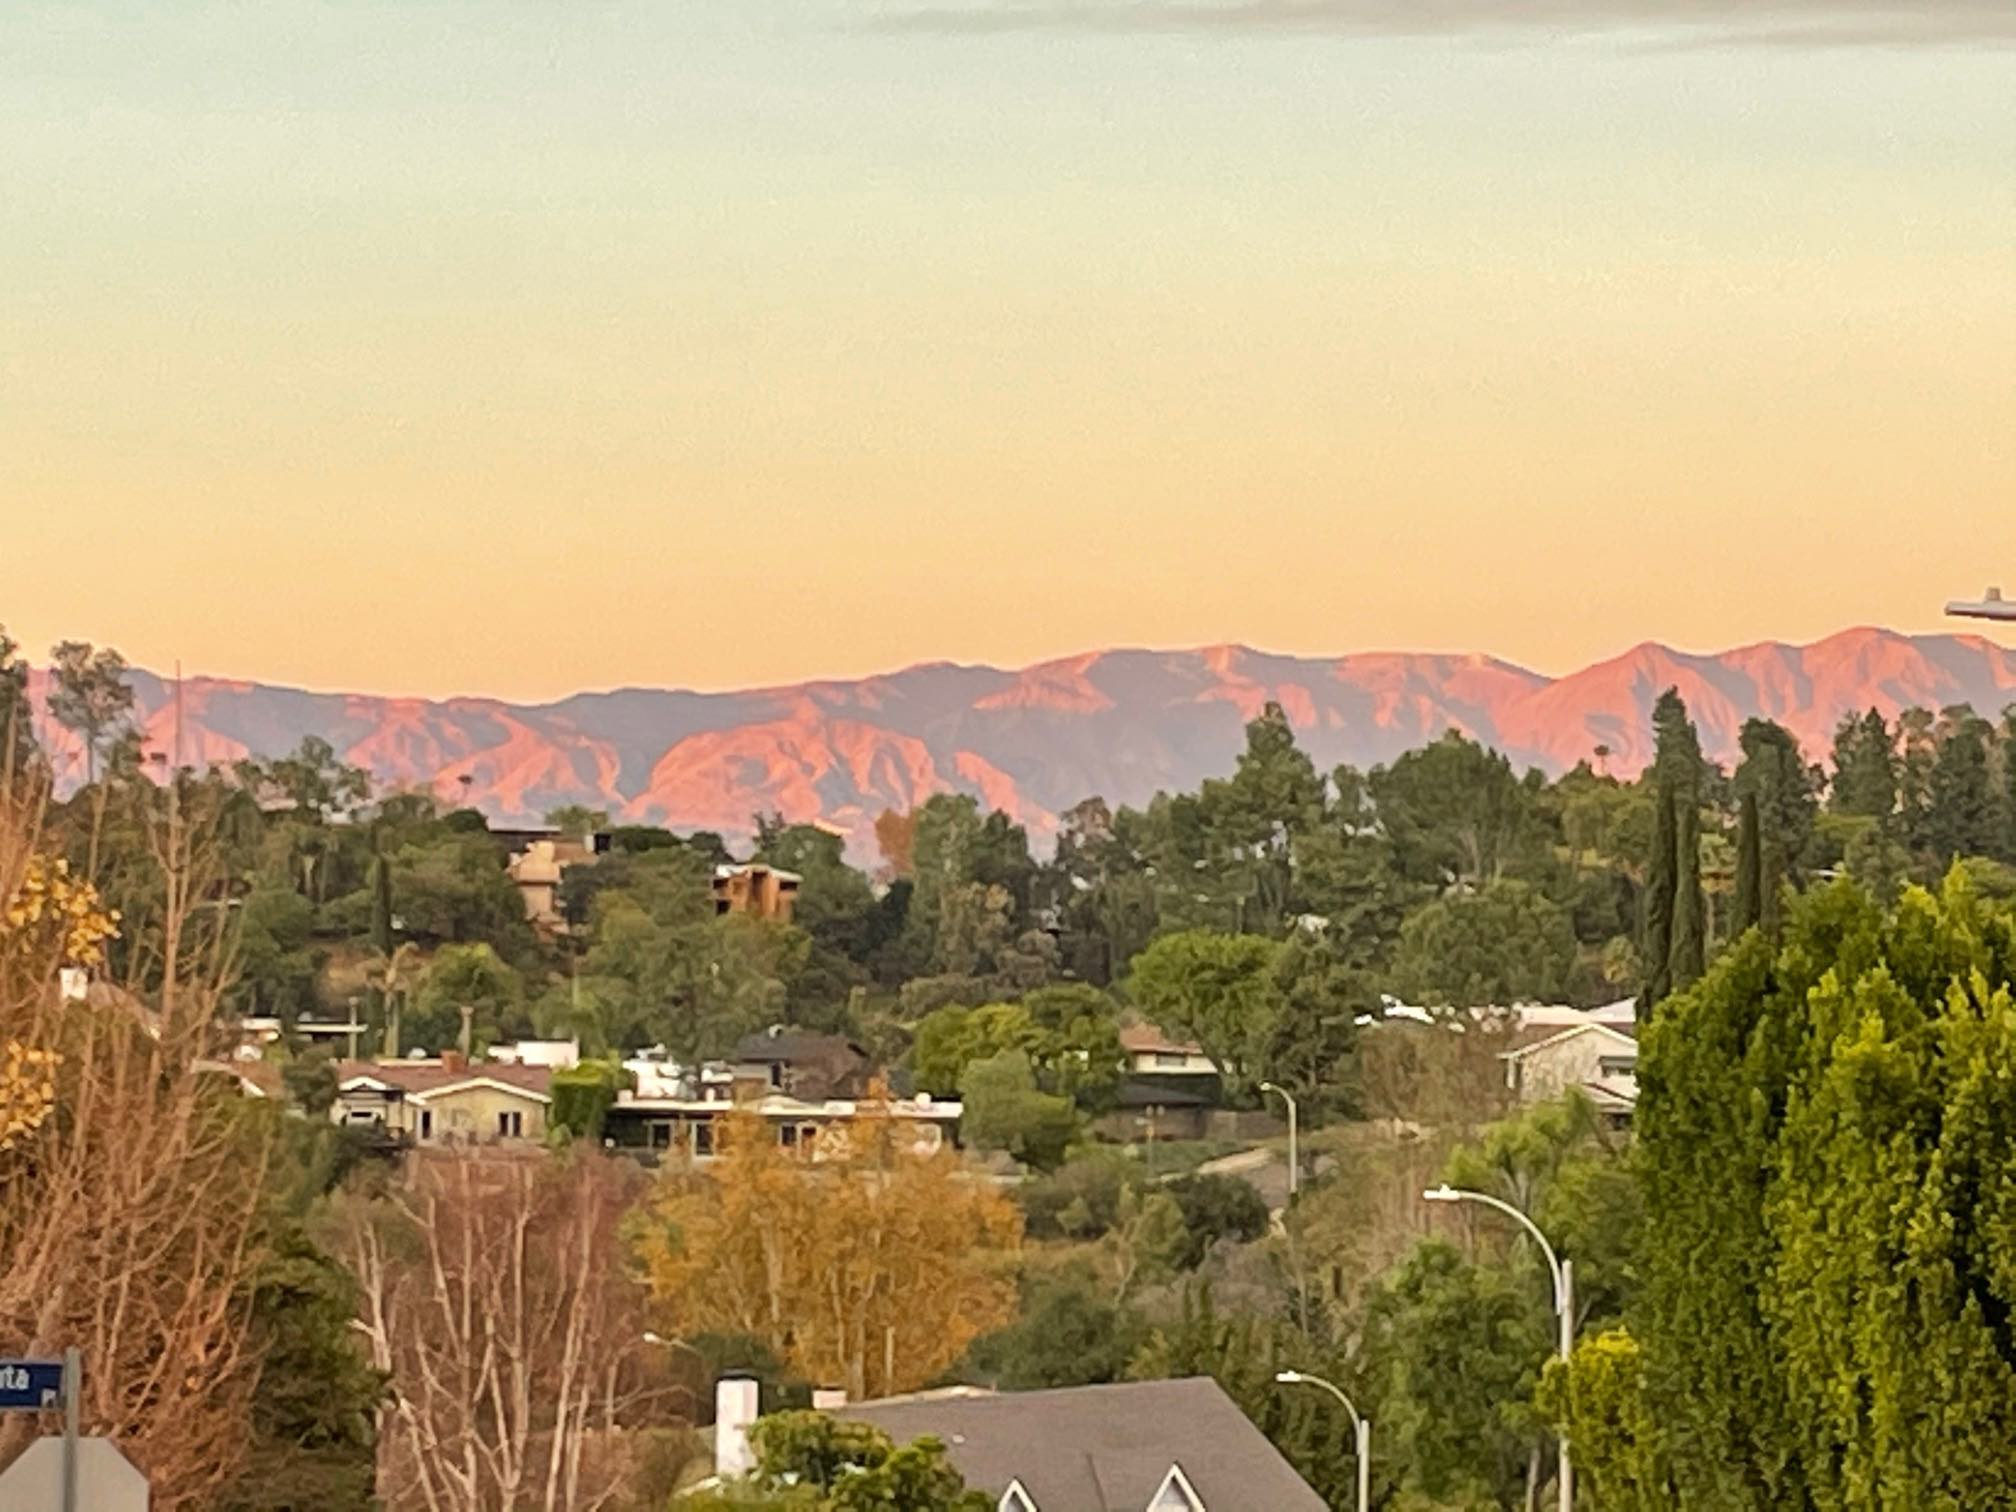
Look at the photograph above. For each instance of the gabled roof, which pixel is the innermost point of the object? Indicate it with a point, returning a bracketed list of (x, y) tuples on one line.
[(1615, 1037), (1104, 1448), (427, 1079)]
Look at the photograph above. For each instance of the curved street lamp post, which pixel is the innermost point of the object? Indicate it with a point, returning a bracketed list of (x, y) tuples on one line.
[(1562, 1273), (1361, 1430)]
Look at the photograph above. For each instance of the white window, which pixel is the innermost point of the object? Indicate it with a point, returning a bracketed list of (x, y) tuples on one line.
[(1015, 1499), (1177, 1494)]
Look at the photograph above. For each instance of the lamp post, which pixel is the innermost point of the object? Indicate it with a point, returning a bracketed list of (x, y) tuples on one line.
[(1361, 1429), (1294, 1162), (1562, 1273)]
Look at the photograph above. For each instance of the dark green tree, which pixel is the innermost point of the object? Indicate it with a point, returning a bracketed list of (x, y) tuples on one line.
[(1962, 813), (1455, 814), (1865, 767), (1747, 911), (1507, 944)]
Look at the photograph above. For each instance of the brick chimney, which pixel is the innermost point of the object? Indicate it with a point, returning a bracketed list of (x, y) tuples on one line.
[(737, 1405), (455, 1061)]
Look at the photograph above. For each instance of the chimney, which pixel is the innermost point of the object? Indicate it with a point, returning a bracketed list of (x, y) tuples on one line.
[(828, 1398), (454, 1061), (736, 1408)]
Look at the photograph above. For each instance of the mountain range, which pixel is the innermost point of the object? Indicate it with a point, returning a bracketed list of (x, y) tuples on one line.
[(1036, 740)]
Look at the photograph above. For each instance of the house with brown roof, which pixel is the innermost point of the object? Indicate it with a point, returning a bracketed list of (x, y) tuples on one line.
[(445, 1101)]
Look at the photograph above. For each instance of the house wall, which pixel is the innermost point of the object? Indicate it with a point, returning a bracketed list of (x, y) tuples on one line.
[(469, 1114), (1546, 1073)]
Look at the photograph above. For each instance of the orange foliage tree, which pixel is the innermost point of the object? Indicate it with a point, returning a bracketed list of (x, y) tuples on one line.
[(871, 1267)]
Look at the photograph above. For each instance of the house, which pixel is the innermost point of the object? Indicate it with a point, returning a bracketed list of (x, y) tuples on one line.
[(1597, 1058), (1150, 1052), (540, 859), (445, 1101), (1170, 1090), (800, 1064), (764, 892), (656, 1126), (1138, 1446)]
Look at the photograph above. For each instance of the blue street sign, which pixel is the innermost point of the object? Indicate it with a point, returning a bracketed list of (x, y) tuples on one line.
[(30, 1384)]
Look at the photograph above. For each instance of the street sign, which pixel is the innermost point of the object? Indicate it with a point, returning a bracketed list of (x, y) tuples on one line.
[(30, 1385), (104, 1479)]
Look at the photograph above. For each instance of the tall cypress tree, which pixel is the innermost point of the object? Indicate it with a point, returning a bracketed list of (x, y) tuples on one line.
[(1655, 945), (1678, 770), (1749, 869)]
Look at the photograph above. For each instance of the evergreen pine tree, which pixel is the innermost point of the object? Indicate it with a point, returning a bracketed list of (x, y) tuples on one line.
[(1961, 811), (1865, 767)]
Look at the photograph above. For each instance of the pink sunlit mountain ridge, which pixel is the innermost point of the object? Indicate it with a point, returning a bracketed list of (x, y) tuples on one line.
[(1120, 724)]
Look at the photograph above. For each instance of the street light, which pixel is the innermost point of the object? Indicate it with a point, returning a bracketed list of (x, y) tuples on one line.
[(1563, 1274), (1361, 1429), (1294, 1164)]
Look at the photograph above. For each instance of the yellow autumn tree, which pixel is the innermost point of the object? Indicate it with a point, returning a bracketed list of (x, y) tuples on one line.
[(871, 1267)]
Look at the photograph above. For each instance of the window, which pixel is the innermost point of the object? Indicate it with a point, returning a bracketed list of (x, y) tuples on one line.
[(1175, 1058), (510, 1125), (658, 1134), (787, 1135), (703, 1137), (1015, 1499), (426, 1123), (1177, 1494)]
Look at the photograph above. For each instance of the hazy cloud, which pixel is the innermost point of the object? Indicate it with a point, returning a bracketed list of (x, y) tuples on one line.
[(1801, 23)]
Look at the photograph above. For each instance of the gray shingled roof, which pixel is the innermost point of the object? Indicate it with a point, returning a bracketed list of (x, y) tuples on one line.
[(1103, 1448)]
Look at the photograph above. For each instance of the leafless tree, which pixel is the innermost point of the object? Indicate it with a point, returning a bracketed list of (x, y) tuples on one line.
[(495, 1294)]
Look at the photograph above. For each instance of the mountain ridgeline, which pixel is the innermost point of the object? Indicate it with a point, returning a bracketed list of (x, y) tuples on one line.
[(1119, 724)]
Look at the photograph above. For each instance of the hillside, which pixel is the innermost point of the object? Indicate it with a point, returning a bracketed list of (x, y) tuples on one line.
[(1120, 724)]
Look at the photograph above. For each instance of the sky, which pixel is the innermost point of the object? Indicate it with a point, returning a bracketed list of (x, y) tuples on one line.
[(523, 346)]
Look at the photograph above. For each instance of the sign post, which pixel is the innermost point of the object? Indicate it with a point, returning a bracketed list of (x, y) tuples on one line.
[(73, 1389)]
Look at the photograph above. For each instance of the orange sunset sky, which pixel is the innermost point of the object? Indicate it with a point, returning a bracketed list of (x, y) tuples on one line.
[(515, 347)]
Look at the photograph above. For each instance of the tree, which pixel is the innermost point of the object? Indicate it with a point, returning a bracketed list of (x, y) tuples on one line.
[(465, 990), (1309, 1043), (1775, 780), (1003, 1110), (1506, 944), (1218, 988), (494, 1296), (1455, 812), (18, 747), (90, 697), (1253, 820), (1821, 1131), (1069, 1033), (1680, 771), (129, 1209), (809, 1461), (1662, 880), (872, 1269), (583, 1096), (1068, 1331), (1455, 1352), (1216, 1208), (1749, 903), (1962, 817), (1865, 768), (578, 821)]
